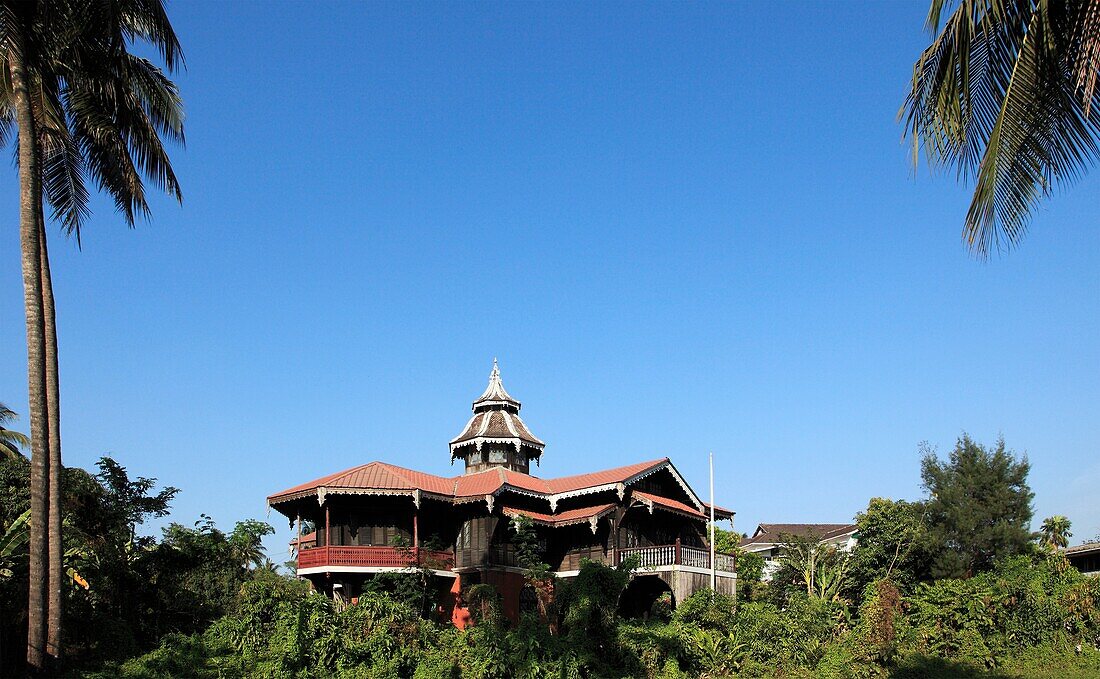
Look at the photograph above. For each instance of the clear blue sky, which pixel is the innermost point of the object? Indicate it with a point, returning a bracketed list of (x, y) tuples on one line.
[(681, 228)]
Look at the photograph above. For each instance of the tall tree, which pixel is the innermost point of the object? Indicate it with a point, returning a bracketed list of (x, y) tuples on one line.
[(978, 507), (1004, 94), (85, 108), (1055, 532), (17, 32)]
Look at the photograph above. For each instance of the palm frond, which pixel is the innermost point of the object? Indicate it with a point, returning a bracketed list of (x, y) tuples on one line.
[(999, 96), (63, 181)]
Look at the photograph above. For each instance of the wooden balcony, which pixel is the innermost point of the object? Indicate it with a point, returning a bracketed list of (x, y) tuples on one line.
[(352, 557), (678, 555)]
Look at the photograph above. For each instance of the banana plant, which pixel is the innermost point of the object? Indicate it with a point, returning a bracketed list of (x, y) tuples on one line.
[(12, 543)]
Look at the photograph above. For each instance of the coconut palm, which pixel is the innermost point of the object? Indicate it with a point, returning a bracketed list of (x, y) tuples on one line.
[(85, 108), (11, 442), (1055, 532), (1004, 95)]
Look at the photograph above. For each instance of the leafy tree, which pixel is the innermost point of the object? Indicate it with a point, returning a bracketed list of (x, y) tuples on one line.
[(1004, 94), (1055, 532), (246, 543), (891, 544), (978, 507)]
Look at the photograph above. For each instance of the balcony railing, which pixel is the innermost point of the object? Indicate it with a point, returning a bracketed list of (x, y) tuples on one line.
[(677, 555), (373, 557)]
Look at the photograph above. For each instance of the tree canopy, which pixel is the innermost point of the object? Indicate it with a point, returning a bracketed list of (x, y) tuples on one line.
[(978, 507)]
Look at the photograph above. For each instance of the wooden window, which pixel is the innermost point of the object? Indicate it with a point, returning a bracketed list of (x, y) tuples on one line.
[(464, 535)]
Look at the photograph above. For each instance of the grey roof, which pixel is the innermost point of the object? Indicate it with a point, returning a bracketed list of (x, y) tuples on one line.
[(1086, 548), (772, 533)]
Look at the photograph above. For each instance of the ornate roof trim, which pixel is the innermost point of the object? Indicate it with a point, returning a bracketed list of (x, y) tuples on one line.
[(495, 393)]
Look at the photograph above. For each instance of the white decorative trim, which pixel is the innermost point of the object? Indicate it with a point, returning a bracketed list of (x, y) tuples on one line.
[(416, 497), (489, 501), (508, 423), (321, 493), (593, 523), (317, 570), (647, 570), (683, 484), (620, 490)]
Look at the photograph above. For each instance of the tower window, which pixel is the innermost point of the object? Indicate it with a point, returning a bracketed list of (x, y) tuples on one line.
[(498, 455), (475, 457)]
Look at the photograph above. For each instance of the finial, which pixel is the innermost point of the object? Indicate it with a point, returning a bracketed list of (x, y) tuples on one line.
[(496, 370)]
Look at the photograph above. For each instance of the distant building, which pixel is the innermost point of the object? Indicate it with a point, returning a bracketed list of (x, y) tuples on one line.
[(460, 526), (1085, 558), (768, 540)]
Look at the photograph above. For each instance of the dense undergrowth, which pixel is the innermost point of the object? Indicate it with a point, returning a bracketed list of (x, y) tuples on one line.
[(1028, 617)]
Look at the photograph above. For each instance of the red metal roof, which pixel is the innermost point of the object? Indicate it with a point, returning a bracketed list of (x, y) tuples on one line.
[(383, 476), (669, 503), (561, 518), (616, 475)]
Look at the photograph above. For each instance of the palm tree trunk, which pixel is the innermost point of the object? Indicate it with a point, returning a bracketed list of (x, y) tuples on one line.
[(53, 409), (30, 199)]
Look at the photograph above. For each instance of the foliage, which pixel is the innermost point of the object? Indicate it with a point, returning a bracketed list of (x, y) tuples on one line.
[(749, 565), (192, 605), (1054, 533), (822, 569), (126, 591), (891, 544), (978, 507), (537, 572), (11, 442), (1003, 94)]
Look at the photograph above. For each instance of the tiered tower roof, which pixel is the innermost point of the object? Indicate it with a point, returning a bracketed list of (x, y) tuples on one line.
[(496, 420)]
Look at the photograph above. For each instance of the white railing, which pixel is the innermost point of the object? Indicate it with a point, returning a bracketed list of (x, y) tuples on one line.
[(677, 555)]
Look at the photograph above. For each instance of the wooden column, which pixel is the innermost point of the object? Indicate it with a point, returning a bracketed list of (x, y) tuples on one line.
[(416, 529), (328, 528), (678, 551)]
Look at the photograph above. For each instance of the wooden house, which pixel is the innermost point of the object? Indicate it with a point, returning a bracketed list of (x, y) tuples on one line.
[(380, 517)]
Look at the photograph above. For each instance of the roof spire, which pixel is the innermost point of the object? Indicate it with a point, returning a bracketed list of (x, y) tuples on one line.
[(495, 393)]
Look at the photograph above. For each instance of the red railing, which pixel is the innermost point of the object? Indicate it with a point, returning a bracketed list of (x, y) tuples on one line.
[(373, 557), (677, 555)]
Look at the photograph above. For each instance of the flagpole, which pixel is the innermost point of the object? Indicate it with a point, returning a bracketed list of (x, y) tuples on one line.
[(713, 570)]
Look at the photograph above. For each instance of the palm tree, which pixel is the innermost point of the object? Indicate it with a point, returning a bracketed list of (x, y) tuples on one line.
[(85, 108), (1055, 532), (11, 442), (1004, 94)]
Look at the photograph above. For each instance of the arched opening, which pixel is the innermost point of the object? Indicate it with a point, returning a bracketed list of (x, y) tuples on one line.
[(646, 596)]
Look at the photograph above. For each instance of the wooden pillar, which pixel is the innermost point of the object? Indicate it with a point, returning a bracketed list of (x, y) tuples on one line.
[(298, 553), (677, 551), (416, 529), (328, 528)]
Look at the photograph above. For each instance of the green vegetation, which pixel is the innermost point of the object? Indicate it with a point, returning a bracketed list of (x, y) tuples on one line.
[(1006, 95), (199, 602)]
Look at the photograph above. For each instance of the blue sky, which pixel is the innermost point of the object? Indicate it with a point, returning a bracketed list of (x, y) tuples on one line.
[(681, 227)]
